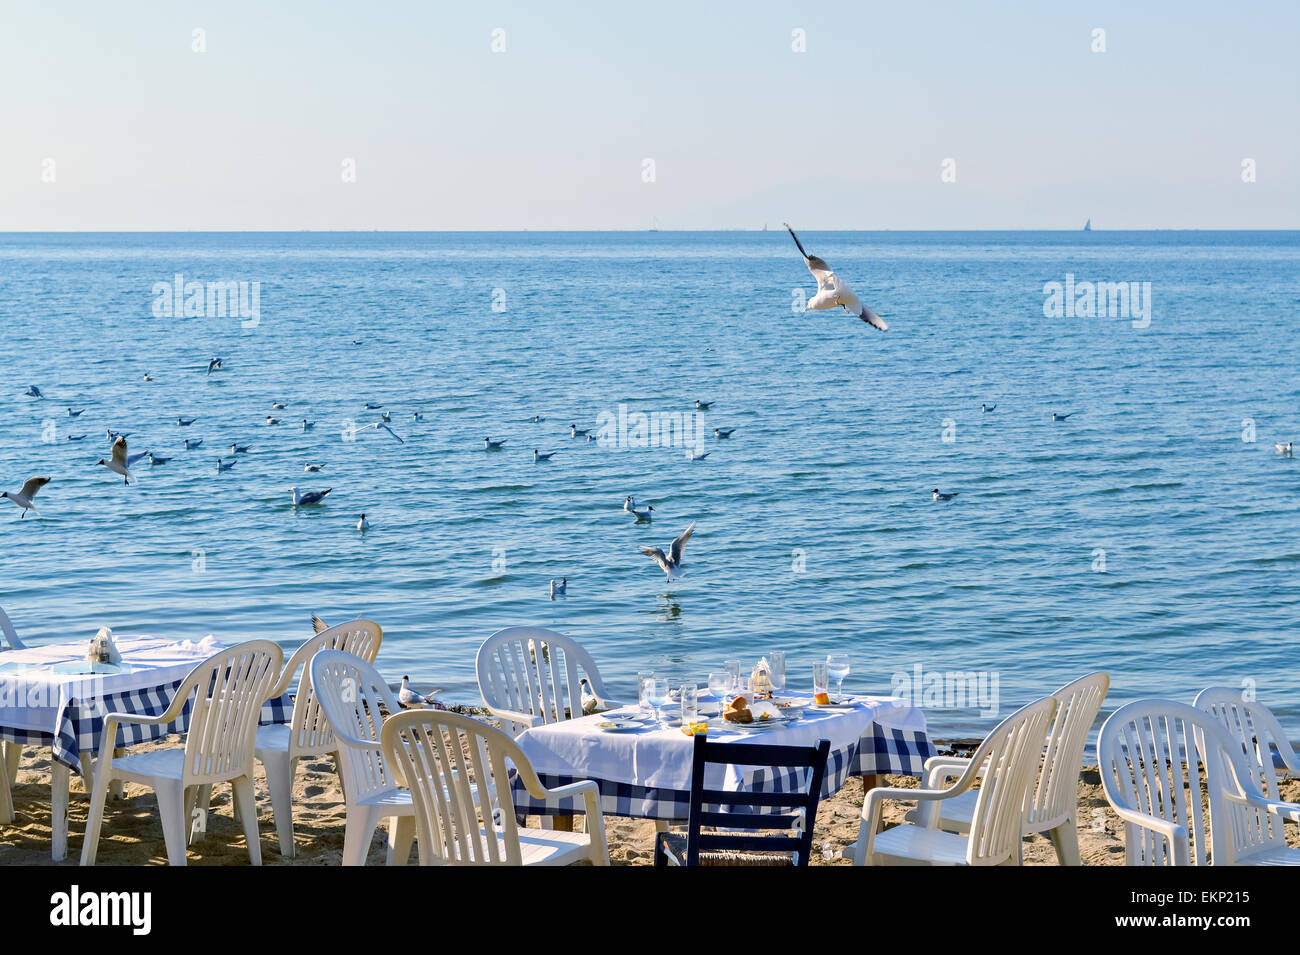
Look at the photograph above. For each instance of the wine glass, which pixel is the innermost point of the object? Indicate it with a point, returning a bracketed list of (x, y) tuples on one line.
[(837, 667), (661, 695), (776, 668), (720, 685)]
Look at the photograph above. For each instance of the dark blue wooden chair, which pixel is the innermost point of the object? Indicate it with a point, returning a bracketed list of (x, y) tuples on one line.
[(739, 810)]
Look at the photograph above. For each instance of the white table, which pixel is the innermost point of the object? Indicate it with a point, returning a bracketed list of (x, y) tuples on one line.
[(647, 773), (35, 701)]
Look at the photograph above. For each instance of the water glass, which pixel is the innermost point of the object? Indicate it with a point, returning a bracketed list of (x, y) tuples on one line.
[(776, 664), (690, 697), (733, 667), (644, 688), (720, 685), (820, 682), (661, 696), (837, 666)]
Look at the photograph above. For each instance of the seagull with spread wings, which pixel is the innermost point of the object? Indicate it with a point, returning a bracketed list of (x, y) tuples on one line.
[(671, 563), (24, 497), (121, 462), (833, 291)]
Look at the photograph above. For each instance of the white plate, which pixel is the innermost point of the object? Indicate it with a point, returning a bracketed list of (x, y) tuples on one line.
[(620, 726)]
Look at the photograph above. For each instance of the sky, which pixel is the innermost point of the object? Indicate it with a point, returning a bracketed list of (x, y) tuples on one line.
[(625, 115)]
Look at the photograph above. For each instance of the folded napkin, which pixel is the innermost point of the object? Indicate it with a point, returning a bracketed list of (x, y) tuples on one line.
[(208, 644)]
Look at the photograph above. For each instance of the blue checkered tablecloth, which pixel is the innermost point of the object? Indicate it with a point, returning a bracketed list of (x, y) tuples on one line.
[(880, 750), (80, 723)]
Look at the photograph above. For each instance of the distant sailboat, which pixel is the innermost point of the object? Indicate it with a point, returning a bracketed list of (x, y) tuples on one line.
[(1087, 226), (654, 224)]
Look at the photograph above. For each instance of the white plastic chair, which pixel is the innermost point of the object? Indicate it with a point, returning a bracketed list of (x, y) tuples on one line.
[(442, 756), (1182, 787), (529, 676), (1004, 765), (280, 746), (12, 751), (355, 700), (229, 689), (1053, 804)]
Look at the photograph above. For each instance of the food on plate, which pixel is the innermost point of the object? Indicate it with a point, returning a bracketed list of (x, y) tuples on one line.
[(698, 728), (738, 711), (822, 699)]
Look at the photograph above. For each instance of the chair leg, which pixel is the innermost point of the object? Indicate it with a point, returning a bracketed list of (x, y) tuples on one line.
[(279, 781), (401, 833), (1065, 839), (243, 787), (359, 830), (115, 787), (171, 813), (199, 813), (95, 817)]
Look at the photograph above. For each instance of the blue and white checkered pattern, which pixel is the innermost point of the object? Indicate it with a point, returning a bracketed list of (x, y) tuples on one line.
[(881, 750), (81, 722)]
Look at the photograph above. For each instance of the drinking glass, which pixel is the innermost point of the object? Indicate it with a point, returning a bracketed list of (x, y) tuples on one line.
[(819, 678), (733, 667), (776, 664), (690, 696), (644, 677), (661, 695), (720, 686), (837, 666)]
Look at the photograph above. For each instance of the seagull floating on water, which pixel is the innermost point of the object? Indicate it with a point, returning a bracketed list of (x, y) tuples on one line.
[(155, 459), (278, 406), (490, 445), (539, 456), (937, 495), (76, 437), (239, 449), (272, 421), (386, 417), (646, 515), (114, 435), (226, 466), (723, 432), (312, 468), (629, 504), (23, 498), (186, 422), (575, 431), (33, 392), (699, 455), (831, 291), (371, 406), (1284, 449), (559, 590), (76, 414), (671, 563), (1062, 417), (304, 498), (417, 416), (308, 425), (702, 405), (192, 443), (987, 407), (363, 524), (148, 377)]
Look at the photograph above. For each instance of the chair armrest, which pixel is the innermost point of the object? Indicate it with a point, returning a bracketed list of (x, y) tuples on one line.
[(939, 769), (108, 739), (1173, 833), (527, 719), (1277, 807), (873, 806)]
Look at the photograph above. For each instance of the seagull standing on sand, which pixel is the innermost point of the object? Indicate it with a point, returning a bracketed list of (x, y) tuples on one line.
[(408, 697), (671, 564), (24, 497), (937, 495), (304, 498), (590, 702), (831, 291)]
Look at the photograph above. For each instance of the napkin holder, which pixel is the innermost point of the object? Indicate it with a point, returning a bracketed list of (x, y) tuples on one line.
[(102, 648), (760, 680)]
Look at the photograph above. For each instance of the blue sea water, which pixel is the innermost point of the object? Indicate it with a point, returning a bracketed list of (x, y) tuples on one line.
[(1143, 535)]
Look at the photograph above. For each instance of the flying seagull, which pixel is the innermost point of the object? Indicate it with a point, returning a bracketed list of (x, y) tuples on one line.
[(33, 392), (672, 563), (120, 463), (24, 497), (831, 291), (380, 426), (214, 365), (318, 625), (303, 498)]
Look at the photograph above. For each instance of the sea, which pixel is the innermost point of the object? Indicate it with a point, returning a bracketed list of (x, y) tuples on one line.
[(1154, 533)]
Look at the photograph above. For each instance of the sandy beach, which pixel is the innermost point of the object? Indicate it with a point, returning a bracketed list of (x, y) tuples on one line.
[(132, 834)]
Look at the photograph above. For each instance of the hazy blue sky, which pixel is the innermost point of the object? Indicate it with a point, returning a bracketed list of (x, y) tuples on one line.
[(552, 133)]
